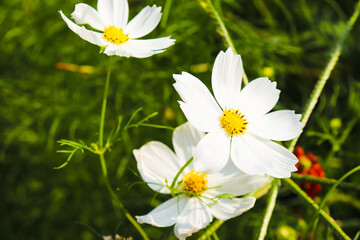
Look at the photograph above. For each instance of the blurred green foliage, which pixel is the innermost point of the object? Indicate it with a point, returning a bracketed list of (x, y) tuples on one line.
[(288, 41)]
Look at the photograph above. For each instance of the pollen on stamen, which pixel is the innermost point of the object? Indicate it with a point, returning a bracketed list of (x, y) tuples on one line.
[(233, 122), (115, 35), (194, 182)]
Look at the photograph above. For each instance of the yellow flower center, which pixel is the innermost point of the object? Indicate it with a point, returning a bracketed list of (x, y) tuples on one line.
[(194, 182), (115, 35), (233, 122)]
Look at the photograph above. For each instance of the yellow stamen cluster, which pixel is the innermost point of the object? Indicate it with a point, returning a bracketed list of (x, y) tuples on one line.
[(194, 182), (233, 122), (115, 35)]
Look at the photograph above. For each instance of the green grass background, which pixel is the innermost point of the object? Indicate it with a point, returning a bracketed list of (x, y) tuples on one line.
[(288, 41)]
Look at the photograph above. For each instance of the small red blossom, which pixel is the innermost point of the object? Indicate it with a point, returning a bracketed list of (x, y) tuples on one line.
[(308, 165)]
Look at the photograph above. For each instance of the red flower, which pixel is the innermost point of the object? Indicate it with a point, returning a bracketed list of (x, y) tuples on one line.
[(308, 165)]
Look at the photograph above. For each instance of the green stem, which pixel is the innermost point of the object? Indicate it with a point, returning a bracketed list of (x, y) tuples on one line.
[(224, 32), (118, 204), (325, 75), (209, 231), (165, 16), (269, 209), (103, 107), (324, 200), (325, 181), (178, 174), (357, 236), (215, 236), (322, 213)]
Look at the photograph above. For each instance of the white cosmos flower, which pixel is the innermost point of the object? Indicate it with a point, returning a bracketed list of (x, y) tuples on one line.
[(238, 121), (200, 195), (114, 33)]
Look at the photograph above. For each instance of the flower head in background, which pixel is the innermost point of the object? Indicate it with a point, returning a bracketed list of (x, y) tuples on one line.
[(199, 195), (308, 165), (238, 121), (114, 33)]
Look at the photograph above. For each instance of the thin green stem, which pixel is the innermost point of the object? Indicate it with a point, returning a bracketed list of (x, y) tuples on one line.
[(210, 230), (178, 174), (324, 181), (215, 236), (209, 6), (103, 107), (322, 213), (165, 17), (357, 236), (269, 209), (325, 75), (324, 200), (118, 204)]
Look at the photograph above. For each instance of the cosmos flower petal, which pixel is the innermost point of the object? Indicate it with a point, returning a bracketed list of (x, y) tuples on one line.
[(247, 157), (256, 155), (280, 125), (185, 139), (257, 98), (144, 22), (157, 164), (114, 12), (140, 48), (104, 8), (90, 36), (151, 44), (120, 13), (129, 49), (195, 216), (199, 106), (234, 181), (226, 77), (212, 152), (225, 208), (165, 214), (85, 14)]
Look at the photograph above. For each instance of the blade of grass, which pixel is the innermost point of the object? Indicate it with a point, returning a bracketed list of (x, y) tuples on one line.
[(265, 12), (289, 18), (157, 126)]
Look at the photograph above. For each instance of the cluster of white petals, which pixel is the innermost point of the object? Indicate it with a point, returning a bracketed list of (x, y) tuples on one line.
[(238, 123), (230, 135), (112, 16), (158, 166)]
